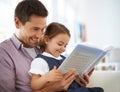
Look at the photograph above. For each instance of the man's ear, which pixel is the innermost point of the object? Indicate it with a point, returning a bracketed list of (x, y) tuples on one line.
[(17, 22)]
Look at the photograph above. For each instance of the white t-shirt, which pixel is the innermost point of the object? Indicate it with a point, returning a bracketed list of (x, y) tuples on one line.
[(31, 52), (40, 66)]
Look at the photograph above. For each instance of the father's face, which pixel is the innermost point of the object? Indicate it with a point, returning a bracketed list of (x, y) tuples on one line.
[(31, 32)]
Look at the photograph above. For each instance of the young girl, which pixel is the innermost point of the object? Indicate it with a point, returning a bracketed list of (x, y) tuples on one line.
[(44, 67), (53, 43)]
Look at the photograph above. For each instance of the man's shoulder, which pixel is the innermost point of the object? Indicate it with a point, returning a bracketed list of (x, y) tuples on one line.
[(5, 44), (5, 48)]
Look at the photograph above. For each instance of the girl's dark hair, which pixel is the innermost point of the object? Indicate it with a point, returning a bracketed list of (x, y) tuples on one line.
[(26, 8), (52, 30)]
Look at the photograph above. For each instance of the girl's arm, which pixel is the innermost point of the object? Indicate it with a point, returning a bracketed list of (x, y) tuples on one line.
[(38, 81)]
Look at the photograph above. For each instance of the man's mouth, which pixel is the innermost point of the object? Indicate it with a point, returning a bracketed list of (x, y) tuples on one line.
[(35, 40)]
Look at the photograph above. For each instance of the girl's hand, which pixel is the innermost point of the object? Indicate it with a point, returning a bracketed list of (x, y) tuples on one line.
[(54, 75)]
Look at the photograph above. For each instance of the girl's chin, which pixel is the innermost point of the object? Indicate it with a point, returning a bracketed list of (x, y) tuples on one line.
[(57, 56)]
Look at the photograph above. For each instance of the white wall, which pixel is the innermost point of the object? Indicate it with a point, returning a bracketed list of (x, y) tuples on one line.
[(102, 18)]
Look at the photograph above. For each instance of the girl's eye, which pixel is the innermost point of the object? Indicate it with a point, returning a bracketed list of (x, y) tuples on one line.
[(59, 44)]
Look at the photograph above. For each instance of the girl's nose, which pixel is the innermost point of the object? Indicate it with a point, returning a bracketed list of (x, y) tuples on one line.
[(63, 48)]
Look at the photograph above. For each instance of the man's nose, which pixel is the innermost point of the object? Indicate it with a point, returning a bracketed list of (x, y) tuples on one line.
[(39, 34)]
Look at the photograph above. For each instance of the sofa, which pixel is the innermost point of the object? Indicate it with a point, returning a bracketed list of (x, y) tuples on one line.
[(108, 80)]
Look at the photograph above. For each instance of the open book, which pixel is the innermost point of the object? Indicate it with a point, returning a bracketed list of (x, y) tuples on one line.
[(83, 58)]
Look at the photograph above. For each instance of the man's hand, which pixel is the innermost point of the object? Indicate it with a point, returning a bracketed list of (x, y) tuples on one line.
[(62, 85), (84, 80)]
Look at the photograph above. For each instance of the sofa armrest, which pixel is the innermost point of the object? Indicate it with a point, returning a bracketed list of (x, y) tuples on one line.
[(108, 80)]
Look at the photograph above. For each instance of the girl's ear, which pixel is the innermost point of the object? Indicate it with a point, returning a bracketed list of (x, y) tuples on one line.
[(46, 38)]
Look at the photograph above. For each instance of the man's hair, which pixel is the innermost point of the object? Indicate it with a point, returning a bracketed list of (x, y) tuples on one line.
[(26, 8)]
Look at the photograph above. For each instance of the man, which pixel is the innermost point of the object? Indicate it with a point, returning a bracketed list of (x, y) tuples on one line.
[(17, 52)]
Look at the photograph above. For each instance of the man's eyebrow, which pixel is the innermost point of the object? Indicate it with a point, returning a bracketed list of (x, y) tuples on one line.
[(40, 28)]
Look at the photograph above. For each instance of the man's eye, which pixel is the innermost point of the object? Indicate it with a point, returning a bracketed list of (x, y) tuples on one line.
[(43, 29), (36, 29)]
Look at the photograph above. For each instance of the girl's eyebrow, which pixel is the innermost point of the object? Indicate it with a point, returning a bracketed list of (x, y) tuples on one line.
[(63, 42)]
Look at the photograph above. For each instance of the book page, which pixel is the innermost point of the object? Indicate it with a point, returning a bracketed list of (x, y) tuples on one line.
[(82, 58)]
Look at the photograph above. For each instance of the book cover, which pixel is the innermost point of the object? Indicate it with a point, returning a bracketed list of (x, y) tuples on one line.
[(83, 58)]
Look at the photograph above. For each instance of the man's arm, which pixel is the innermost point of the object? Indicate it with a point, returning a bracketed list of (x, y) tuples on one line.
[(7, 74)]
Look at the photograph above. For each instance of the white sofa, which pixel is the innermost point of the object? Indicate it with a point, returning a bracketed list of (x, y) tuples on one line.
[(108, 80)]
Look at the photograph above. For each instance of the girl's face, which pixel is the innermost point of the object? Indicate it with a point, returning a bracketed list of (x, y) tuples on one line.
[(57, 44)]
